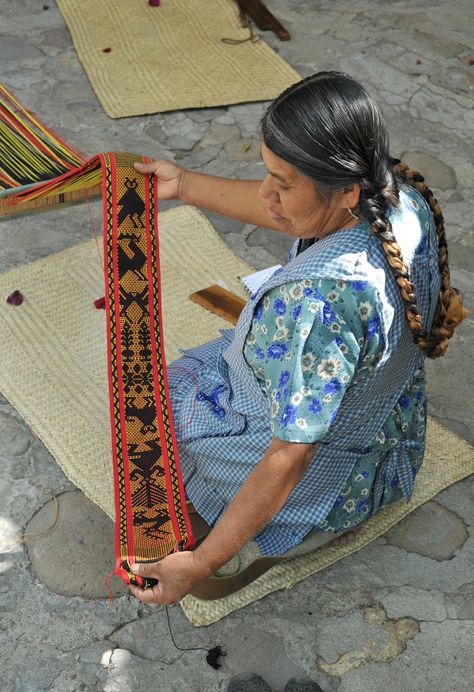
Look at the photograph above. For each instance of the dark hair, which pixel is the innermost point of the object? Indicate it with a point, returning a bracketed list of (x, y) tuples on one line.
[(332, 131)]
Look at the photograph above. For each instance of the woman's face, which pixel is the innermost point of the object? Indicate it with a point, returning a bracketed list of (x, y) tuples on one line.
[(295, 205)]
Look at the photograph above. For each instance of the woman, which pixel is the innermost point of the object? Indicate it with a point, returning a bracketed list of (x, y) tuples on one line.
[(312, 415)]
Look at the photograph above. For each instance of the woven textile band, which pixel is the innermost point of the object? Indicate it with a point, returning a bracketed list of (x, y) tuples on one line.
[(151, 517)]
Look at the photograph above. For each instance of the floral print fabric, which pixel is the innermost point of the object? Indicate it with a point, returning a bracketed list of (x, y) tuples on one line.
[(310, 340)]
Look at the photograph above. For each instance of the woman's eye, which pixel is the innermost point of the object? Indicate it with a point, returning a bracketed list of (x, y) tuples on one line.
[(281, 187)]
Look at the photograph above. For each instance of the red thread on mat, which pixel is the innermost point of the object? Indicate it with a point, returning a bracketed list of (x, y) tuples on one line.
[(94, 231)]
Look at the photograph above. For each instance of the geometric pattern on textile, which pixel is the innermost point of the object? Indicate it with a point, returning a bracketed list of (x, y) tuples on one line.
[(151, 517)]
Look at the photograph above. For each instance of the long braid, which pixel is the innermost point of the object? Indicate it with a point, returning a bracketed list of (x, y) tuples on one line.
[(375, 202), (450, 310)]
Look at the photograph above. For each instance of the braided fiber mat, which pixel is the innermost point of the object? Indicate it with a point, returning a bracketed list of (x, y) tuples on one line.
[(53, 370), (143, 59)]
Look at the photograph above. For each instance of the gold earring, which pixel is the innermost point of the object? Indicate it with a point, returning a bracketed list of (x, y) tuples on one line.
[(352, 214)]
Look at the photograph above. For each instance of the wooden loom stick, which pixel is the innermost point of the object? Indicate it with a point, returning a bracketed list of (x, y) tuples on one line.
[(220, 301), (263, 18)]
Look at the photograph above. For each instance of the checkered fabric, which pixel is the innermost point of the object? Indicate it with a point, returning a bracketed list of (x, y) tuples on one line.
[(224, 431)]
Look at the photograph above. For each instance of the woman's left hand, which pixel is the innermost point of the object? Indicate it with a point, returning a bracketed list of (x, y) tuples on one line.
[(177, 574)]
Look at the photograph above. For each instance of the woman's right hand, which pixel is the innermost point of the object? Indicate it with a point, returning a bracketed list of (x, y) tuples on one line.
[(170, 177)]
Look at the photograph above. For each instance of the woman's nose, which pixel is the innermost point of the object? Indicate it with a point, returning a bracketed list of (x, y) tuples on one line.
[(267, 191)]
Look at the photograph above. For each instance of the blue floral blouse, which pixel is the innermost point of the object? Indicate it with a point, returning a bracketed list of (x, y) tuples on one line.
[(311, 340)]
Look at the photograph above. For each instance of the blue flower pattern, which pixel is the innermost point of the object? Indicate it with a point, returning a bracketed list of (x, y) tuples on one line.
[(326, 347)]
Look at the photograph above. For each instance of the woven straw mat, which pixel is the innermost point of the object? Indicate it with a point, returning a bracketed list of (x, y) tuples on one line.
[(171, 57), (53, 370)]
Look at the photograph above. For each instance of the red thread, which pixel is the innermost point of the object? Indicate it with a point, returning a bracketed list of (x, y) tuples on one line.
[(107, 585), (94, 230), (154, 3), (106, 50)]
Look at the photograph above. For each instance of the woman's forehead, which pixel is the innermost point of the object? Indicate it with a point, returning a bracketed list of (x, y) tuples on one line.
[(276, 166)]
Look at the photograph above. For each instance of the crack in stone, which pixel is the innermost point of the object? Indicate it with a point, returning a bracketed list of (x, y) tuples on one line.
[(54, 679), (400, 632)]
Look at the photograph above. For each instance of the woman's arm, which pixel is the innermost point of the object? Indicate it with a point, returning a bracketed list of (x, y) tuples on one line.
[(258, 500), (239, 199)]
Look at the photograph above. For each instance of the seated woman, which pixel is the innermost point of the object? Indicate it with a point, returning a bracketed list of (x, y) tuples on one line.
[(311, 415)]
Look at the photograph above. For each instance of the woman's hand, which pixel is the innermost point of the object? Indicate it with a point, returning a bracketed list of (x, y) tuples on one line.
[(177, 574), (170, 177)]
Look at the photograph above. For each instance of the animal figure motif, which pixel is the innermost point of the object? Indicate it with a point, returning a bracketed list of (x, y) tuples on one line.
[(132, 204), (136, 262), (146, 415)]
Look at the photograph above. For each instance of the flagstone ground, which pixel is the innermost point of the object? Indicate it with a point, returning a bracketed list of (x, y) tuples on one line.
[(398, 615)]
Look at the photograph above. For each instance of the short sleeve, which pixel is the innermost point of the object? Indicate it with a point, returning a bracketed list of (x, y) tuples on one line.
[(309, 341)]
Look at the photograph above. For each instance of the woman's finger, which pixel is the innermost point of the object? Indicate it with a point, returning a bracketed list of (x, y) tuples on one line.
[(146, 167), (154, 595), (151, 569), (145, 595)]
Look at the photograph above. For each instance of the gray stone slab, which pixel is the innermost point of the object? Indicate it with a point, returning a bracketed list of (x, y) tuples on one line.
[(431, 530), (416, 603), (460, 604), (266, 238), (436, 173), (17, 49), (438, 658), (459, 498), (243, 150), (341, 635), (253, 650), (73, 558)]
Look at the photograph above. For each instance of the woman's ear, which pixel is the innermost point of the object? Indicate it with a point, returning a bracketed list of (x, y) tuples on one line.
[(351, 195), (346, 198)]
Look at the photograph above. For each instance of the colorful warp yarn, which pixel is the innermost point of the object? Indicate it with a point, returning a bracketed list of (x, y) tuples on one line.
[(31, 154), (151, 516)]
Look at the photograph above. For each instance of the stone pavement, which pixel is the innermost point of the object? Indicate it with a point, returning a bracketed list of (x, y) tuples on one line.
[(398, 615)]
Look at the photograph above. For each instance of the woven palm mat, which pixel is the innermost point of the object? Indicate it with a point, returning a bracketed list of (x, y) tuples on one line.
[(53, 370), (143, 59)]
